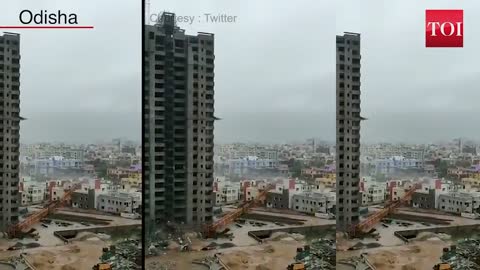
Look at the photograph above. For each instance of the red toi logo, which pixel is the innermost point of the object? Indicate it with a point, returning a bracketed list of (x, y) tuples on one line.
[(444, 28)]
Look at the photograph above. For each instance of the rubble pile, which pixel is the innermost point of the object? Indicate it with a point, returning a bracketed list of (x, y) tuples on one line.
[(124, 255), (320, 254), (18, 262), (463, 256), (212, 262), (168, 239), (359, 262)]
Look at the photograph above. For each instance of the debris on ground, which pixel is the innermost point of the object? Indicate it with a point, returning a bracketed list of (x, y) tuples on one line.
[(210, 262), (320, 254), (465, 255), (20, 245), (214, 245), (18, 262), (361, 245), (359, 262), (124, 255), (169, 237)]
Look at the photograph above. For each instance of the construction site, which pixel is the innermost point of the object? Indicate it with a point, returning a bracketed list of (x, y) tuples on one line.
[(55, 236), (396, 236), (246, 236)]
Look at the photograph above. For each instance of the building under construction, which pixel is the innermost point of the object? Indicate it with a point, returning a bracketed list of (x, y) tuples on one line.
[(9, 128), (348, 130), (179, 122)]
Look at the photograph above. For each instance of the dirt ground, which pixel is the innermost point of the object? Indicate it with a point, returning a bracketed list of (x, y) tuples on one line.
[(418, 255), (78, 255), (271, 255)]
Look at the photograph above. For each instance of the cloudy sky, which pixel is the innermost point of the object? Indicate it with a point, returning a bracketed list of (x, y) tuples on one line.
[(275, 67), (409, 92), (80, 85)]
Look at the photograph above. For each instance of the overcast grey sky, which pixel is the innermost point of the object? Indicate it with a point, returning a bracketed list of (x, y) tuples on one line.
[(80, 85), (409, 92), (274, 67)]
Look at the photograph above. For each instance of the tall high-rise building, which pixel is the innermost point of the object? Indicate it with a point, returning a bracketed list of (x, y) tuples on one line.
[(348, 130), (179, 122), (9, 128)]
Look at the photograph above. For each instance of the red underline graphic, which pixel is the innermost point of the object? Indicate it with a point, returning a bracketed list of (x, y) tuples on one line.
[(45, 27)]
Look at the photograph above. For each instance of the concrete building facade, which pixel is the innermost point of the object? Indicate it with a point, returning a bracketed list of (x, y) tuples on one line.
[(278, 199), (459, 202), (116, 203), (424, 199), (10, 197), (179, 123), (314, 202), (348, 129), (84, 199)]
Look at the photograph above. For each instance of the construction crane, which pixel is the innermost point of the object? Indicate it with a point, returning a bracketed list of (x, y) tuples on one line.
[(210, 230), (16, 229), (369, 223)]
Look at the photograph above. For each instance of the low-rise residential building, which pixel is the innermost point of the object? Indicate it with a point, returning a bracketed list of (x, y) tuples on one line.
[(278, 199), (460, 202), (473, 172), (84, 199), (373, 194), (390, 165), (325, 172), (314, 202), (322, 183), (119, 202), (226, 192), (31, 192), (471, 182), (424, 199)]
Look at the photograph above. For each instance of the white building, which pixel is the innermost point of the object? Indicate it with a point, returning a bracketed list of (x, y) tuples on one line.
[(32, 193), (119, 202), (226, 192), (314, 202), (459, 202)]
